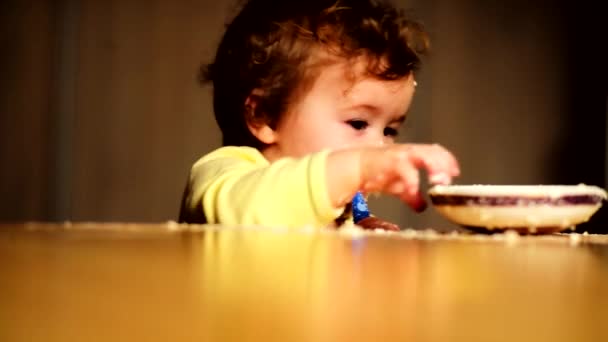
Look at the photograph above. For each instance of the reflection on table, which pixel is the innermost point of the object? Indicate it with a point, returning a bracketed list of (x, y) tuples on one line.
[(109, 282)]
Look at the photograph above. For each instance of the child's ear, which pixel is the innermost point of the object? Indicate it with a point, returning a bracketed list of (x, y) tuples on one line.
[(263, 133), (257, 126)]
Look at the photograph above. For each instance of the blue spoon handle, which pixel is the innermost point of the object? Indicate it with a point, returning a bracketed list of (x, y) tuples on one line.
[(360, 208)]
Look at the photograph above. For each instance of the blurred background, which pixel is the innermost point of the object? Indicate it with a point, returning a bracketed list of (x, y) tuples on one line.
[(101, 116)]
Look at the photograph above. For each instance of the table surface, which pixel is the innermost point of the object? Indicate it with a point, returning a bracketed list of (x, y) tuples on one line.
[(169, 282)]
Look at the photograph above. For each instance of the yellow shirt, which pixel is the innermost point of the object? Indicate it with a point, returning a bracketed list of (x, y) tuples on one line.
[(238, 186)]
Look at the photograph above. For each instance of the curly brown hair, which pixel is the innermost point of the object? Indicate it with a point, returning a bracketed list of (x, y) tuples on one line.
[(272, 49)]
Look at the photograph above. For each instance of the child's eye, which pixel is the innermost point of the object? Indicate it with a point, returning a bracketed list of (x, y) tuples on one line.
[(390, 132), (358, 124)]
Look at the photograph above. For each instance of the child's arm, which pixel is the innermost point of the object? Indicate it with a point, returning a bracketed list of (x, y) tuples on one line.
[(392, 169), (237, 186)]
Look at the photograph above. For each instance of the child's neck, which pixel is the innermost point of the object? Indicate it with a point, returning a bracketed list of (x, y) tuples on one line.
[(271, 153)]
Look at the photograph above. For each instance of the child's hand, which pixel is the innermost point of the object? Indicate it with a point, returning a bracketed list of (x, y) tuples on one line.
[(394, 170), (376, 223)]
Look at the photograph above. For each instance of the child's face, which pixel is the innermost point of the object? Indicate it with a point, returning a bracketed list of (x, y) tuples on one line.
[(340, 111)]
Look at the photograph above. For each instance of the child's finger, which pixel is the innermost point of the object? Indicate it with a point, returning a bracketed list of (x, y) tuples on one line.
[(440, 164), (440, 179), (446, 158), (438, 160), (410, 192), (414, 200)]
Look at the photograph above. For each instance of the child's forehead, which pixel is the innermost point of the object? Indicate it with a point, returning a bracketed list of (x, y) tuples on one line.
[(345, 85), (352, 76)]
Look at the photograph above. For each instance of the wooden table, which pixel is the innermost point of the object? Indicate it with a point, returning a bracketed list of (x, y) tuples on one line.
[(166, 282)]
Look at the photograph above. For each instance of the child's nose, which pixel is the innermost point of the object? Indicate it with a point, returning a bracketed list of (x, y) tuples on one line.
[(378, 139)]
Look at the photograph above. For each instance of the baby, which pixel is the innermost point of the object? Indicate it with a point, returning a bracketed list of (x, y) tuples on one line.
[(309, 96)]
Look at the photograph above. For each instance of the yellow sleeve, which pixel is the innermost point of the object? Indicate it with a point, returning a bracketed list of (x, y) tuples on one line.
[(237, 186)]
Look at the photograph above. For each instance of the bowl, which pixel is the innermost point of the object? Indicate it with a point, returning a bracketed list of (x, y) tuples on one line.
[(523, 208)]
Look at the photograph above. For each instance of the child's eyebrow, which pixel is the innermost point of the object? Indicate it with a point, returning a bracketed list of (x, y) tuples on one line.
[(366, 107), (401, 119)]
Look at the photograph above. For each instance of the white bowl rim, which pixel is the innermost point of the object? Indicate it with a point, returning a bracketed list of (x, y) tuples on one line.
[(542, 190)]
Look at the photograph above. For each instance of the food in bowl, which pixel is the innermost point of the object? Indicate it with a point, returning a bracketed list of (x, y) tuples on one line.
[(524, 208)]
